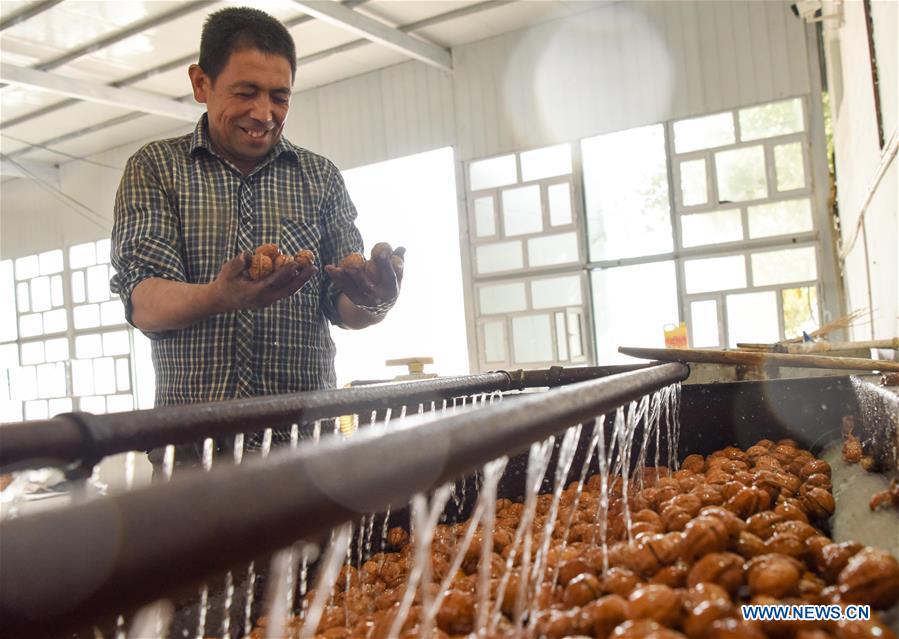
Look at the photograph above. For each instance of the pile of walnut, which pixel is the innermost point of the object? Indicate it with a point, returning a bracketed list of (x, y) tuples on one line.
[(734, 527), (267, 258)]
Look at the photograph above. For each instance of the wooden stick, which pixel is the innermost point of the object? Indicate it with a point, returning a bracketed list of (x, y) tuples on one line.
[(759, 359), (812, 347)]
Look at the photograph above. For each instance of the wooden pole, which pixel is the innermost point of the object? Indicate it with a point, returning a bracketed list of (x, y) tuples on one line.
[(711, 356)]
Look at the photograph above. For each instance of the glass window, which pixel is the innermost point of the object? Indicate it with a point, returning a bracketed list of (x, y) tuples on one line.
[(122, 374), (502, 298), (23, 297), (484, 220), (8, 329), (116, 343), (715, 274), (9, 356), (82, 255), (522, 212), (88, 346), (559, 196), (36, 409), (786, 265), (780, 218), (532, 339), (103, 248), (51, 380), (800, 307), (82, 377), (549, 250), (623, 318), (104, 375), (556, 291), (98, 283), (27, 267), (741, 174), (31, 325), (626, 188), (547, 162), (494, 341), (23, 383), (79, 292), (32, 353), (789, 166), (112, 312), (711, 228), (704, 132), (56, 321), (50, 262), (56, 350), (56, 294), (561, 336), (40, 294), (59, 405), (768, 120), (752, 318), (693, 184), (499, 256), (704, 324), (86, 316), (488, 174), (119, 403), (575, 339), (94, 404)]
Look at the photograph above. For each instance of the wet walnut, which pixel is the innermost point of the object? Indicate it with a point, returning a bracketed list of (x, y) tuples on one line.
[(774, 575), (890, 496), (456, 614), (570, 569), (353, 261), (730, 628), (260, 267), (619, 581), (656, 602), (814, 467), (722, 568), (870, 577), (704, 535), (268, 258), (673, 576), (698, 620), (786, 544), (750, 545), (644, 629), (304, 258), (748, 501), (581, 590), (762, 524), (819, 503), (397, 537), (604, 614)]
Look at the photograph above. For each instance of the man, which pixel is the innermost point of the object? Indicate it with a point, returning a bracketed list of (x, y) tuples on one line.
[(191, 210)]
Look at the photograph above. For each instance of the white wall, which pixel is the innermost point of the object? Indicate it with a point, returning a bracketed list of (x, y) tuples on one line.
[(871, 271)]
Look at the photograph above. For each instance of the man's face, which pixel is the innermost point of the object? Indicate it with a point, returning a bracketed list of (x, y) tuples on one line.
[(247, 104)]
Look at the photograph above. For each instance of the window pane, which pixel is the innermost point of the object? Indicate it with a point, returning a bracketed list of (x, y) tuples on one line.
[(40, 294), (122, 374), (522, 212), (51, 380), (112, 312), (23, 383), (544, 163), (95, 405), (56, 295), (488, 174), (60, 405), (559, 196), (103, 247), (98, 283), (11, 411), (32, 353), (27, 267), (704, 133), (87, 316), (104, 375), (715, 274), (36, 409), (500, 256), (82, 255), (8, 329), (575, 340), (704, 324), (752, 317), (116, 343), (711, 228), (23, 297), (56, 350), (55, 321), (625, 319), (787, 265), (561, 337), (800, 306), (556, 291), (88, 346), (626, 187), (693, 184), (119, 403), (50, 262), (9, 356), (485, 222), (532, 339), (494, 342), (552, 249), (741, 174), (768, 120), (31, 325), (502, 298), (79, 292), (780, 218), (789, 165), (82, 377)]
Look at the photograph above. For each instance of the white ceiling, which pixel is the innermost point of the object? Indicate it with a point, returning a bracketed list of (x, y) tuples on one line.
[(107, 42)]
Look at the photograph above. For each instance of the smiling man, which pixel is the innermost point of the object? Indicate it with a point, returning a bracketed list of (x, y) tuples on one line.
[(190, 211)]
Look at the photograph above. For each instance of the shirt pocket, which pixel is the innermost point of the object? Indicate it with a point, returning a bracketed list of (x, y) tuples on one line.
[(297, 235)]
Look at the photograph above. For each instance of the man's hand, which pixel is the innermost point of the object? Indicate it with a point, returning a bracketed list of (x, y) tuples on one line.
[(233, 289), (378, 283)]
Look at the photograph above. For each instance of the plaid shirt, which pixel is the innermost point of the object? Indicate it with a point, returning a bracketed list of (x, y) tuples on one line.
[(181, 211)]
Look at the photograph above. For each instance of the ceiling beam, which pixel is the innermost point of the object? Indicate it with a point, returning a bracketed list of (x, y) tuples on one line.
[(134, 99), (370, 29), (27, 12), (31, 170)]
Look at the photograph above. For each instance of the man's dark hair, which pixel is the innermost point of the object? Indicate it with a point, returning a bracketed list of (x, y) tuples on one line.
[(240, 28)]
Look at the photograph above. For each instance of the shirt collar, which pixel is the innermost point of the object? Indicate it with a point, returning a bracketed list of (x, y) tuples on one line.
[(200, 140)]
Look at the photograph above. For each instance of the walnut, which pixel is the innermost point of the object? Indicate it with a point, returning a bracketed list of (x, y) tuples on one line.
[(269, 250), (674, 518), (786, 544), (656, 602), (619, 581), (605, 613), (667, 548), (791, 509), (729, 628), (281, 260), (852, 449), (748, 501), (724, 569), (696, 463), (583, 589), (773, 575), (872, 629), (260, 267), (704, 535), (870, 577), (673, 576), (889, 496), (750, 545), (731, 522), (304, 258), (709, 494), (353, 261), (397, 537), (698, 620), (819, 503), (644, 629), (815, 467), (762, 524), (818, 479), (800, 529), (571, 569), (456, 614)]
